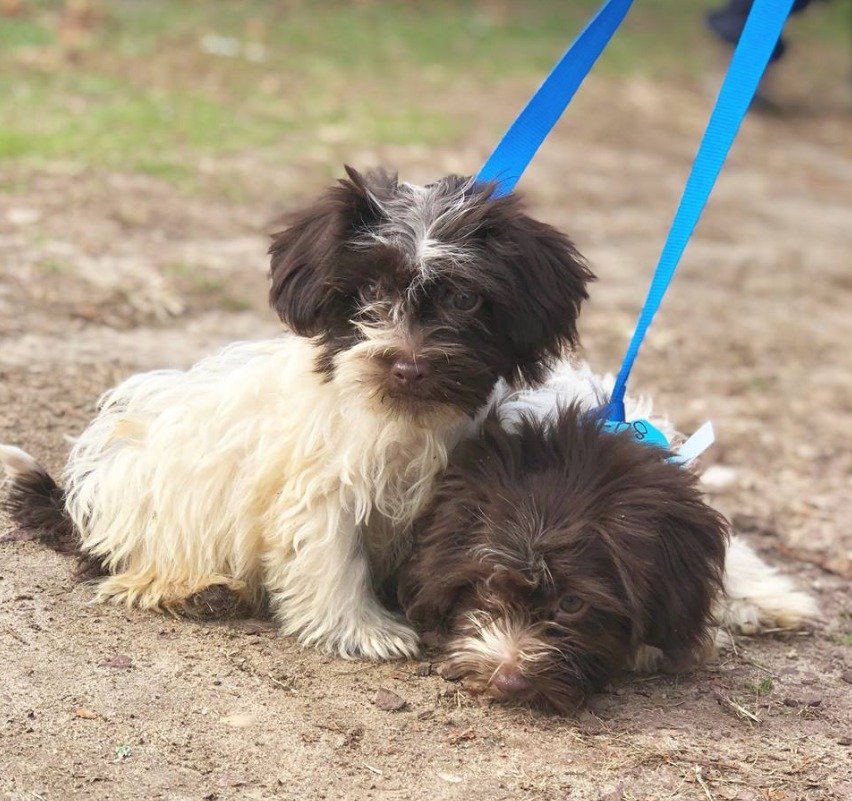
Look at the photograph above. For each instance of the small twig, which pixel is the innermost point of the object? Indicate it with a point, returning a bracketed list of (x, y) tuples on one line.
[(760, 667), (704, 786), (738, 708), (372, 769), (733, 644)]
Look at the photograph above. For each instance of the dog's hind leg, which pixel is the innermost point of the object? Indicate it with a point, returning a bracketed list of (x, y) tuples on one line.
[(758, 597), (320, 587), (208, 598)]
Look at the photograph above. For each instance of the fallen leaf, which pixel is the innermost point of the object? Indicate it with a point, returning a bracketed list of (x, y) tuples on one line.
[(467, 734), (389, 701)]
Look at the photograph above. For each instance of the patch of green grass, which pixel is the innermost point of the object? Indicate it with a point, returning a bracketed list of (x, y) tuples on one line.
[(104, 121), (23, 32), (141, 94), (122, 752), (763, 687)]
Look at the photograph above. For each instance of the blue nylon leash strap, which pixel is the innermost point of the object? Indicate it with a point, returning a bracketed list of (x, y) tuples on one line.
[(525, 135), (523, 138), (762, 31)]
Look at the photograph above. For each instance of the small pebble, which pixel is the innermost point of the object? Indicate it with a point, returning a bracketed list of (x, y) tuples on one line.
[(389, 701)]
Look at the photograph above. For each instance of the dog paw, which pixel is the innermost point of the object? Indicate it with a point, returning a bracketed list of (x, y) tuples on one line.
[(376, 636), (789, 611), (215, 602), (379, 639), (742, 617)]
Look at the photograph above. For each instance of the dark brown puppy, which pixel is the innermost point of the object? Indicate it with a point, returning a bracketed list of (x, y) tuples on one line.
[(550, 555), (451, 287)]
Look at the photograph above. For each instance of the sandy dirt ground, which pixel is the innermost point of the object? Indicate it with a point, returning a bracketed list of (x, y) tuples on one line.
[(104, 275)]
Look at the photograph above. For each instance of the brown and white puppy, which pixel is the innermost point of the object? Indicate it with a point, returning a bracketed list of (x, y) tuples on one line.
[(554, 554), (272, 470)]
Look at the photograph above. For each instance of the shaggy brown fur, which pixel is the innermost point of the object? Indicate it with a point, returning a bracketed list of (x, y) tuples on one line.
[(550, 555)]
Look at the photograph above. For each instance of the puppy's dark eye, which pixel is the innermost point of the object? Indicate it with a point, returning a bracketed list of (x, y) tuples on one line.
[(465, 301), (571, 604), (371, 290)]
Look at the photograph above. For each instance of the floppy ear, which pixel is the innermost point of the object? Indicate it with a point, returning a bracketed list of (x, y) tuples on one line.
[(678, 570), (306, 253), (443, 566), (551, 278), (439, 567)]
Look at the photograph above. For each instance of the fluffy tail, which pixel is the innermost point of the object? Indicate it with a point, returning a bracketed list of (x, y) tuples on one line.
[(758, 597), (36, 505)]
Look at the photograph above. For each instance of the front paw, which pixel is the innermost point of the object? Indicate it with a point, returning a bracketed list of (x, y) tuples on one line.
[(371, 633), (376, 637)]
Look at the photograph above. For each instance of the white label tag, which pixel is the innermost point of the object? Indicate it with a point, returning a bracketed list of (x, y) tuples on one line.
[(699, 442)]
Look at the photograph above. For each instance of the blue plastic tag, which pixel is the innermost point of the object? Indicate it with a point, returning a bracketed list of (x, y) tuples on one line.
[(648, 434), (642, 430)]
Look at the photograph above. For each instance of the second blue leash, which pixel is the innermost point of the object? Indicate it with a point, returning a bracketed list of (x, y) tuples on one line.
[(525, 135), (762, 31)]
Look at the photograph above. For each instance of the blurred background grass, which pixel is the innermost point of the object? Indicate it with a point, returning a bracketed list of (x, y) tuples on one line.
[(160, 86)]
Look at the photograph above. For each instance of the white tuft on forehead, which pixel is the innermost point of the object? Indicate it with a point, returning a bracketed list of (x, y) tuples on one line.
[(414, 219)]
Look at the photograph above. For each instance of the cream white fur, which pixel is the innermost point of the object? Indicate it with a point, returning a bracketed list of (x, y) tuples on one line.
[(487, 643), (568, 383), (249, 470), (758, 597)]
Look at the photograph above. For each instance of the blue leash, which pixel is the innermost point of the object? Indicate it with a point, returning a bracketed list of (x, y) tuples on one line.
[(525, 135), (762, 31), (520, 143)]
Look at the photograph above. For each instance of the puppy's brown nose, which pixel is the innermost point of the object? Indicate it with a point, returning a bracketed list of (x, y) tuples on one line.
[(407, 372), (510, 682)]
